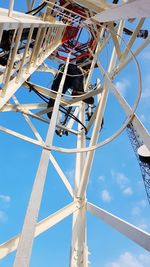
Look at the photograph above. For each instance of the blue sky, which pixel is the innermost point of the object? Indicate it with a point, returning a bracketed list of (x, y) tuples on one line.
[(115, 182)]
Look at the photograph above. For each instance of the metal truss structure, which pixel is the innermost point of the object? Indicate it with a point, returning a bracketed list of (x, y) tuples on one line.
[(55, 35), (144, 166)]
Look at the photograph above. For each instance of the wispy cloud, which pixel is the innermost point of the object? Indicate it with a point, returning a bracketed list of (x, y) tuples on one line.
[(105, 196), (101, 178), (136, 211), (146, 94), (5, 198), (70, 174), (3, 216), (138, 207), (146, 89), (142, 203), (123, 182), (143, 224), (120, 178), (128, 191), (146, 55), (143, 118), (4, 203), (130, 260), (122, 86)]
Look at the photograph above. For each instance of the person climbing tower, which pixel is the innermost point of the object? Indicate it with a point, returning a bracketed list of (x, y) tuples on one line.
[(74, 80)]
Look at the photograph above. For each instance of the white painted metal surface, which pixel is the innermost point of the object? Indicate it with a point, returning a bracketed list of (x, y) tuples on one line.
[(42, 226), (78, 244), (31, 61), (27, 236), (137, 235), (129, 10), (11, 5)]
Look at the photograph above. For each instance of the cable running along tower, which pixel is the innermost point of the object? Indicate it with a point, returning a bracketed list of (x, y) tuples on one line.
[(101, 38)]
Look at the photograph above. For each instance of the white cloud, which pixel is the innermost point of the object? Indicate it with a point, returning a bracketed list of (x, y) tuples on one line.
[(140, 221), (136, 211), (5, 198), (143, 225), (70, 174), (123, 182), (105, 196), (145, 258), (120, 178), (129, 260), (146, 94), (145, 119), (3, 216), (140, 183), (122, 86), (101, 178), (142, 203), (146, 55), (142, 118), (146, 89), (128, 191), (138, 207)]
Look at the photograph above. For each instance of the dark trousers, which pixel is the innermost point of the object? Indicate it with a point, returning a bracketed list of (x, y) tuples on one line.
[(74, 80)]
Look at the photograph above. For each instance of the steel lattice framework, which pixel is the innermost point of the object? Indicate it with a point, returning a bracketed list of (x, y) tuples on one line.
[(56, 36), (144, 166)]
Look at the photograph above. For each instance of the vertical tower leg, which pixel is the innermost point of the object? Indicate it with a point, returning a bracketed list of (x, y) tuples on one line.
[(78, 257)]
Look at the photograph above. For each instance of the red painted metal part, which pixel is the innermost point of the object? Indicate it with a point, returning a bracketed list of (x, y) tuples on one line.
[(70, 37)]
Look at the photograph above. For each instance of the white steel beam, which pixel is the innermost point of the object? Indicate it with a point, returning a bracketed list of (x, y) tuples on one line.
[(27, 236), (30, 4), (42, 226), (137, 51), (139, 127), (90, 155), (15, 85), (89, 125), (11, 59), (12, 85), (21, 136), (135, 234), (95, 56), (132, 39), (97, 126), (46, 68), (81, 143), (65, 102), (132, 9), (67, 129), (78, 244), (21, 107), (62, 175), (46, 92), (114, 38), (71, 121), (11, 6), (26, 50), (36, 133)]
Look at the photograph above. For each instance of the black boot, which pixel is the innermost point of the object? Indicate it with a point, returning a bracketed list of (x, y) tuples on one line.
[(50, 104), (89, 100)]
